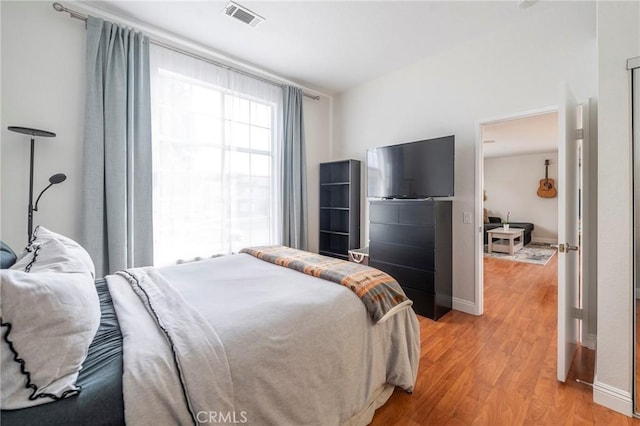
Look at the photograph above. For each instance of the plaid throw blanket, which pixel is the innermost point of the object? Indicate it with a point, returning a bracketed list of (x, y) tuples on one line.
[(380, 293)]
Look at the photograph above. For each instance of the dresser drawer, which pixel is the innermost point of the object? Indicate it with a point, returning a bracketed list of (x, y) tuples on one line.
[(386, 212), (417, 236), (416, 213), (401, 255), (404, 212), (417, 279), (428, 305), (423, 302)]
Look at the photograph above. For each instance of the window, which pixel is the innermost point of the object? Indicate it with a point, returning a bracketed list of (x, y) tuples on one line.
[(215, 169)]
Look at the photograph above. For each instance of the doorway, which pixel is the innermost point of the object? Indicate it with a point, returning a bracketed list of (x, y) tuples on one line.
[(587, 173), (511, 142), (520, 174)]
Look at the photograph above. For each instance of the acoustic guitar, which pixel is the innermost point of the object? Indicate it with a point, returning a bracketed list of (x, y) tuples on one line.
[(546, 189)]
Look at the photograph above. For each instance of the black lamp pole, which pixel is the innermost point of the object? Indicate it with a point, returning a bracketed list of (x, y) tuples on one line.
[(57, 178), (30, 210)]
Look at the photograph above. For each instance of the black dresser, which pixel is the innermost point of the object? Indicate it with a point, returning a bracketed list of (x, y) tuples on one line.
[(411, 241)]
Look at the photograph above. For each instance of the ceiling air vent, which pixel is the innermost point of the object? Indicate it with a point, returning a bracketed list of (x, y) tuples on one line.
[(242, 14)]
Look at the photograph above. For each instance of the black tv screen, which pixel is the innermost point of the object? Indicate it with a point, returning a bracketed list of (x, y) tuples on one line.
[(419, 169)]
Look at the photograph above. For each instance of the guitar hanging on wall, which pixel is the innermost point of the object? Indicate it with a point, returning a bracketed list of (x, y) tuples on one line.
[(546, 189)]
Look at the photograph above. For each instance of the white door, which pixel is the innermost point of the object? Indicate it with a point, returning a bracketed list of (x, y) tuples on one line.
[(567, 231)]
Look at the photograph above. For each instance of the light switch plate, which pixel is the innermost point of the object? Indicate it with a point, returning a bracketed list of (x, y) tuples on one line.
[(466, 217)]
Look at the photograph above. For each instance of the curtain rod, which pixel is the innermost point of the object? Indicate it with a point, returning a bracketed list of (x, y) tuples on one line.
[(76, 15)]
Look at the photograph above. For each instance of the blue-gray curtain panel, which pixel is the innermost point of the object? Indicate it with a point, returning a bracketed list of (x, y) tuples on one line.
[(117, 202), (294, 171)]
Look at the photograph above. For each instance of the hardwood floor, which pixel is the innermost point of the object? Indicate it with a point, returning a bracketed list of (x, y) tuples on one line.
[(500, 368)]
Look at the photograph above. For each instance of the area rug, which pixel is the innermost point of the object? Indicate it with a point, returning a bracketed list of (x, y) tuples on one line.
[(536, 253)]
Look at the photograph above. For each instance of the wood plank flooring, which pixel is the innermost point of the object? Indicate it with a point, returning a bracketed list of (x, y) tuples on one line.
[(500, 368)]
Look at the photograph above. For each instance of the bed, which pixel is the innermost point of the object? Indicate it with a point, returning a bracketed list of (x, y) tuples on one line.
[(234, 339)]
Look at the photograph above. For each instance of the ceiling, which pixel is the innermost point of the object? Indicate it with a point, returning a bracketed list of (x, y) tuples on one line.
[(330, 46), (521, 136)]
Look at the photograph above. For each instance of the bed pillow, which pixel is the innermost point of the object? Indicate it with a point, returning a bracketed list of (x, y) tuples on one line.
[(50, 312), (72, 250), (7, 256)]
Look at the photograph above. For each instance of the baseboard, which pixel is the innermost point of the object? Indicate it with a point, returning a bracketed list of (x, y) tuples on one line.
[(590, 342), (465, 306), (613, 398), (544, 240)]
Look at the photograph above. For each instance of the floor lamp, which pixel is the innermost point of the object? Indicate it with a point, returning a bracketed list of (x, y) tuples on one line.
[(55, 179)]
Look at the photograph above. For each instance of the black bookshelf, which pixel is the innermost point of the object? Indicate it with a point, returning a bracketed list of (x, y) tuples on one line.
[(339, 208)]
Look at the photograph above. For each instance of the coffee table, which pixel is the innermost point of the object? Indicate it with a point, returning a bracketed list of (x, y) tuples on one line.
[(507, 240)]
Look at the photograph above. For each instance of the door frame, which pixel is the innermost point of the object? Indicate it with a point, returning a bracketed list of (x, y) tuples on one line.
[(479, 199), (588, 231)]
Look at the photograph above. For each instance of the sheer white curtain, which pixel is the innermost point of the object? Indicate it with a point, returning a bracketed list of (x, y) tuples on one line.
[(216, 151)]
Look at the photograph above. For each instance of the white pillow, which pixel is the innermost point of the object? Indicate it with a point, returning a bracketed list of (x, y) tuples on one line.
[(42, 235), (50, 316)]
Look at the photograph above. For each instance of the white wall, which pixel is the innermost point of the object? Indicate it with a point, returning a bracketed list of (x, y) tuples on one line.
[(511, 184), (511, 70), (317, 116), (42, 87), (43, 79), (618, 40)]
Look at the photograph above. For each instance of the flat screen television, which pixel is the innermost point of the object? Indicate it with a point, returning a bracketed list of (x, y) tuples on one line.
[(421, 169)]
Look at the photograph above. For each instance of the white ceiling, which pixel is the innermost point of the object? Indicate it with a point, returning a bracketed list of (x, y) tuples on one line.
[(329, 46), (529, 135)]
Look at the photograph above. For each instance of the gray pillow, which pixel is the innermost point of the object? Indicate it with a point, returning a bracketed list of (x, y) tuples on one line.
[(7, 256)]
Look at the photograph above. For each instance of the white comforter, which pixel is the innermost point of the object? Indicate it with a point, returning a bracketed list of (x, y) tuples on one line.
[(284, 348)]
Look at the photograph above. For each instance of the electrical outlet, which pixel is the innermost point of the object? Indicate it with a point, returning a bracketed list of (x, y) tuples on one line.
[(466, 218)]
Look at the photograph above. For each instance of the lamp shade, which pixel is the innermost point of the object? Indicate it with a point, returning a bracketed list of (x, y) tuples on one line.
[(32, 132), (57, 178)]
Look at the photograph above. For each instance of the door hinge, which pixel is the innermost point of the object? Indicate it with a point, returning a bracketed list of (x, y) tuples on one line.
[(579, 134), (577, 313)]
